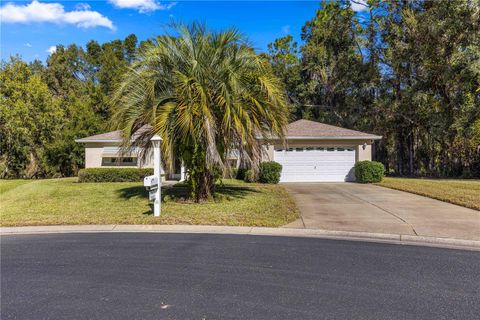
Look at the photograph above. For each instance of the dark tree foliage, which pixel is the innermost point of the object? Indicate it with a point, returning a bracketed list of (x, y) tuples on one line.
[(283, 54), (406, 70), (28, 121), (44, 108)]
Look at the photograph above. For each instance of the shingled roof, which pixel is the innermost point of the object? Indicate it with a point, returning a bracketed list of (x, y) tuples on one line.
[(305, 129), (112, 136), (311, 130)]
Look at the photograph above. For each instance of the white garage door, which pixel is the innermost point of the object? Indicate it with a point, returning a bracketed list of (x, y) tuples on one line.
[(316, 164)]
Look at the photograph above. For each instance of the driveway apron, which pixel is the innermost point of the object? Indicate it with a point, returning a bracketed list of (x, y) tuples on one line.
[(370, 208)]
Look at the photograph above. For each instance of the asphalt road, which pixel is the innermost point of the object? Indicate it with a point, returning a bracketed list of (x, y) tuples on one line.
[(192, 276)]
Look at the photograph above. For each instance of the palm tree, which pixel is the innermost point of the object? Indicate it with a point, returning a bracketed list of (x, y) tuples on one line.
[(206, 94)]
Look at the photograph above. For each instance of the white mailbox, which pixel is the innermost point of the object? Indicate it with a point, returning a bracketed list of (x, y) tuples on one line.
[(150, 182)]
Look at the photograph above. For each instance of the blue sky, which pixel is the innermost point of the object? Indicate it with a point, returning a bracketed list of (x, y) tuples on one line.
[(31, 28)]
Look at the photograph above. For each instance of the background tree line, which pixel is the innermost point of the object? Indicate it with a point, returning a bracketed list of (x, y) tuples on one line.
[(406, 70), (45, 107)]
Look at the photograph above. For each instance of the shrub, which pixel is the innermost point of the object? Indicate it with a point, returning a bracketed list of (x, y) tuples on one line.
[(369, 171), (270, 172), (168, 198), (241, 173), (250, 176), (113, 174)]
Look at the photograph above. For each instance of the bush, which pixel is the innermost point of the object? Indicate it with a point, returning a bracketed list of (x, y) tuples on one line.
[(241, 173), (369, 171), (250, 176), (270, 172), (113, 174)]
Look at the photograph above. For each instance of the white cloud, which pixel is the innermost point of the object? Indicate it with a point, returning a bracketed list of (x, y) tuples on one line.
[(36, 11), (359, 5), (28, 45), (52, 49), (82, 6), (286, 29), (141, 5)]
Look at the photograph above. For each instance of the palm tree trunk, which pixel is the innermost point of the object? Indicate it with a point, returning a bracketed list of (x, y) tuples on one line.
[(205, 186)]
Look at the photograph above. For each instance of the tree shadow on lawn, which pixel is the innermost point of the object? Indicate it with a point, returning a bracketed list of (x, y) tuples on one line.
[(180, 191)]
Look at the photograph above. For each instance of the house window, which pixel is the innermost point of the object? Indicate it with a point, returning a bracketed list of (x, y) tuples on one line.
[(299, 149), (309, 148), (340, 149), (330, 149), (119, 162), (320, 149), (289, 150)]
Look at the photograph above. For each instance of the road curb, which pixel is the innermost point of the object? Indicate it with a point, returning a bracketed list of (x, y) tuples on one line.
[(256, 231)]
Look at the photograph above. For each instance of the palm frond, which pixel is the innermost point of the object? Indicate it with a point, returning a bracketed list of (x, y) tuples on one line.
[(201, 90)]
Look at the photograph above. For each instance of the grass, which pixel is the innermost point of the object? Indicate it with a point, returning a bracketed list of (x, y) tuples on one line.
[(462, 192), (65, 201), (7, 185)]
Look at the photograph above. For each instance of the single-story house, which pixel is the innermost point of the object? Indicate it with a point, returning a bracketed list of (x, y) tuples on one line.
[(104, 151), (312, 152)]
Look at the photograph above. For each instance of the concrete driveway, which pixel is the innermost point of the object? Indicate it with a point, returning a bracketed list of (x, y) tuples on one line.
[(369, 208)]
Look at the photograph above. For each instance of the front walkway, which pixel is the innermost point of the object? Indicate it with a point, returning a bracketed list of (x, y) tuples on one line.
[(369, 208)]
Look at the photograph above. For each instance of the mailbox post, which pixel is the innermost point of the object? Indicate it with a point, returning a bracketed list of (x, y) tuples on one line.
[(157, 172)]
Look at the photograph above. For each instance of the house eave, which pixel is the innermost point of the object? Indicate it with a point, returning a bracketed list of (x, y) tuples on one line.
[(373, 137), (95, 140), (334, 138)]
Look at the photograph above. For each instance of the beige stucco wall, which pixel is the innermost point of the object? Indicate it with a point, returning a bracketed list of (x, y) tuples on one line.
[(363, 154), (360, 154), (93, 151), (93, 156)]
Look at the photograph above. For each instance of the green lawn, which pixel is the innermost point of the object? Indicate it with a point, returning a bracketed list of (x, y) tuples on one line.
[(65, 201), (457, 191)]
